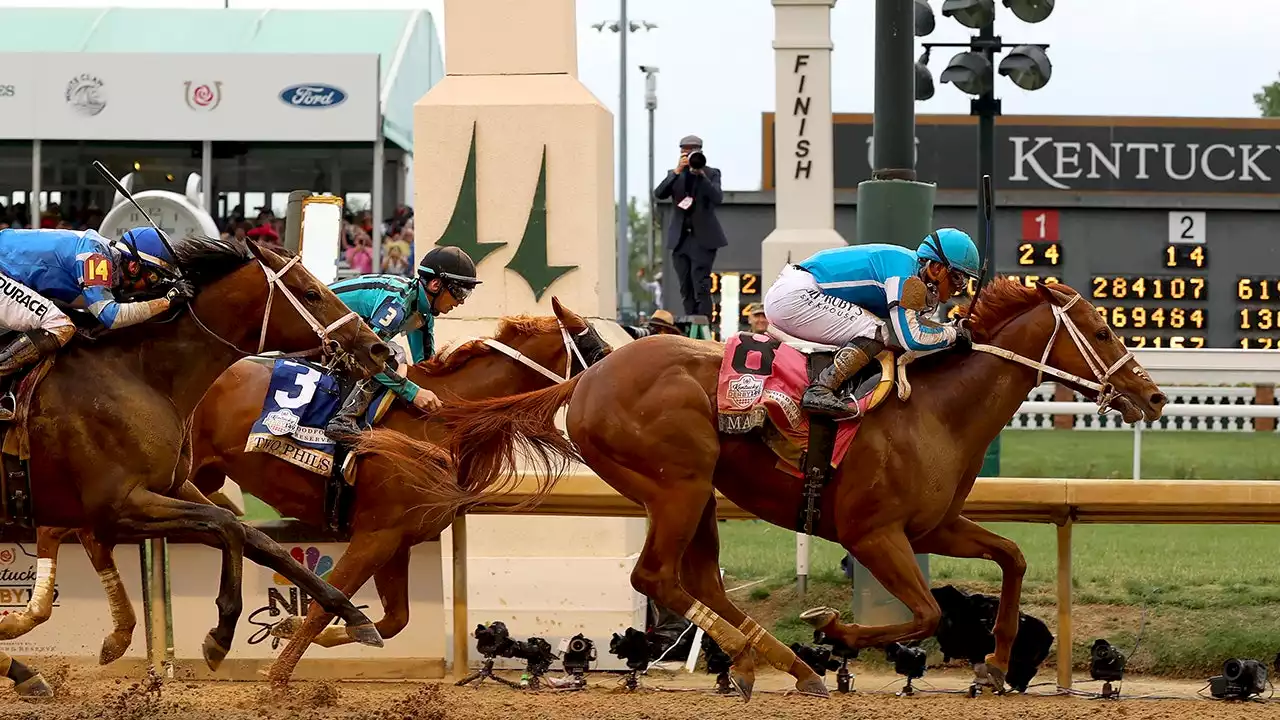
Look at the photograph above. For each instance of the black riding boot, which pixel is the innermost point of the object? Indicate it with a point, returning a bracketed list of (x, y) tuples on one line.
[(27, 348), (345, 426), (820, 396)]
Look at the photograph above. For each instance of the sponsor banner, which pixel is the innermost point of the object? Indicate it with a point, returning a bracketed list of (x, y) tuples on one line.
[(81, 616), (1075, 154), (189, 96), (270, 598)]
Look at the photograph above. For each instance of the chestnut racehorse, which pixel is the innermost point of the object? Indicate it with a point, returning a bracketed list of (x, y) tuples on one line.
[(108, 424), (390, 513), (644, 419)]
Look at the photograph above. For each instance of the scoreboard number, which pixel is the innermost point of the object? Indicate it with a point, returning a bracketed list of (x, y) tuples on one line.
[(1039, 253), (1186, 227), (1040, 225), (1186, 257)]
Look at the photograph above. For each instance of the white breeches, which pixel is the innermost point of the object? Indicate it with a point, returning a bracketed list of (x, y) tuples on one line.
[(796, 305), (23, 309)]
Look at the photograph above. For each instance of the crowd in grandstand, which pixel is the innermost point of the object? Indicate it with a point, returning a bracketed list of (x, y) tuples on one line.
[(265, 227)]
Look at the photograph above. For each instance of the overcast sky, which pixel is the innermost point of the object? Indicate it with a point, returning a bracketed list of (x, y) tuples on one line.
[(1110, 57)]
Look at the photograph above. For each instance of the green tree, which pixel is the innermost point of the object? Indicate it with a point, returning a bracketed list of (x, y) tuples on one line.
[(638, 247), (1268, 100)]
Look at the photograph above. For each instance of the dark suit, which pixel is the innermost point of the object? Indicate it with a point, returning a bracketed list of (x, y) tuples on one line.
[(693, 235)]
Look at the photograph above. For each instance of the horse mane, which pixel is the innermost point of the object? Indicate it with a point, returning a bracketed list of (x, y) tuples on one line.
[(508, 328), (1002, 300), (204, 259)]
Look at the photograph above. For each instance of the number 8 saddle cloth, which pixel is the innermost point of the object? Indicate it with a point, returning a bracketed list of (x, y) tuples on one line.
[(760, 385)]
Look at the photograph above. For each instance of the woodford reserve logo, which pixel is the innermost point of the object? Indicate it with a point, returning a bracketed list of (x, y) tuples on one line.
[(1168, 155)]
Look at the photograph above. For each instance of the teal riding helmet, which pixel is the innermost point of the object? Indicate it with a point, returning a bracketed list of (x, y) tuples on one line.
[(957, 249)]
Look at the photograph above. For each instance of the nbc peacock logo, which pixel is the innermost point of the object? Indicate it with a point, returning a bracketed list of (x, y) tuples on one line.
[(312, 559)]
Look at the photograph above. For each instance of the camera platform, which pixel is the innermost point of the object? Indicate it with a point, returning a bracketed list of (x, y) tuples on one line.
[(486, 672), (1109, 692)]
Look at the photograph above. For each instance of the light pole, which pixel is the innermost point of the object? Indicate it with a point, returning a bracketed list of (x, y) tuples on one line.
[(651, 104), (623, 266)]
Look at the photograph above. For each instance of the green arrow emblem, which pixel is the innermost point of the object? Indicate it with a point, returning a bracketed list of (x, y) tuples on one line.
[(461, 231), (530, 260)]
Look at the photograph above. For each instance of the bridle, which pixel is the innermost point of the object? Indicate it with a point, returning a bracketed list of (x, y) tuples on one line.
[(571, 352), (1101, 372), (329, 349), (1106, 391)]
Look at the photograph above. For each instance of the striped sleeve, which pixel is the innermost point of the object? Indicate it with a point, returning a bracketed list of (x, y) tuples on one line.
[(913, 331)]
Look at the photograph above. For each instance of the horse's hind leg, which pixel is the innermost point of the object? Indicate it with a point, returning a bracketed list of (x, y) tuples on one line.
[(890, 558), (27, 683), (150, 514), (122, 616), (700, 575), (40, 606), (392, 581), (966, 539), (266, 552), (364, 555)]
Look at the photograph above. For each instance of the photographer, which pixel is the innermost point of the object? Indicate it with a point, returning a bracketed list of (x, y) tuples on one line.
[(693, 232)]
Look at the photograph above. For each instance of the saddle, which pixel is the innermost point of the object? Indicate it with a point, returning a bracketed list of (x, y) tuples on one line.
[(762, 379)]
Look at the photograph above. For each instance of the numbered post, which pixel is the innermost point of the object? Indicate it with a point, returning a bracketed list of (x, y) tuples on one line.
[(1187, 227)]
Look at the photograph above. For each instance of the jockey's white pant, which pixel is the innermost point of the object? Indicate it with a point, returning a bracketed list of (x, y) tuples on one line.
[(23, 309), (797, 306)]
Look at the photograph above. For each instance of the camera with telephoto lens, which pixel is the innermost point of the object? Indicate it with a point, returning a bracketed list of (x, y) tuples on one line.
[(840, 654), (1240, 680), (578, 655), (1106, 662), (634, 648), (697, 160), (493, 640)]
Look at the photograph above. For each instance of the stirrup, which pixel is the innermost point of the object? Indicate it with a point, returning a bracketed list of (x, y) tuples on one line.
[(8, 406)]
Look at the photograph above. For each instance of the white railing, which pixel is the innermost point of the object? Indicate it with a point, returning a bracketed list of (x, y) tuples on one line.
[(1222, 409)]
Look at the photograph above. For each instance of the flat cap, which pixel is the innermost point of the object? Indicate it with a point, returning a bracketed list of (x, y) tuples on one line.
[(690, 140)]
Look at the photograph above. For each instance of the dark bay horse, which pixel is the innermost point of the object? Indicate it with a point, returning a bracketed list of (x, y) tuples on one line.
[(393, 508), (108, 425), (644, 419)]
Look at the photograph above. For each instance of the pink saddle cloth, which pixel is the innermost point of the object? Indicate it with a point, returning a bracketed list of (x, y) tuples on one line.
[(763, 379)]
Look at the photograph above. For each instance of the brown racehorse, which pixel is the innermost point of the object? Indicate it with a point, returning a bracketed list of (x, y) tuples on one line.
[(108, 423), (644, 419), (389, 515)]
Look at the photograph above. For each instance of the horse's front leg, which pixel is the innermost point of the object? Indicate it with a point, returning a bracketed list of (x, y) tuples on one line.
[(964, 538), (122, 616), (40, 606)]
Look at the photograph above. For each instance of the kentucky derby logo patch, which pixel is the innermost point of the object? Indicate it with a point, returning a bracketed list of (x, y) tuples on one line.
[(300, 401), (204, 96), (745, 390), (86, 94)]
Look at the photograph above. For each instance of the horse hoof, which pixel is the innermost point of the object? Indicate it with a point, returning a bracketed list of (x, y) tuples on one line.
[(813, 685), (820, 617), (286, 628), (33, 688), (743, 682), (214, 653), (113, 647), (366, 634)]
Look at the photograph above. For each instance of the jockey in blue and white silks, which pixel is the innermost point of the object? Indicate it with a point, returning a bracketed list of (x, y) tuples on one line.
[(81, 269), (394, 305), (851, 296)]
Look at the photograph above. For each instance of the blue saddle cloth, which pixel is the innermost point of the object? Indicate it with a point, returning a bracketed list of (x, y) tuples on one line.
[(301, 399)]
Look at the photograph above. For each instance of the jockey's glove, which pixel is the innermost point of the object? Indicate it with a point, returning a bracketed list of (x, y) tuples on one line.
[(964, 338), (181, 291)]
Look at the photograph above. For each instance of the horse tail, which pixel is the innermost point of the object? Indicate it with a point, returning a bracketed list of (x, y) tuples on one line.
[(484, 439)]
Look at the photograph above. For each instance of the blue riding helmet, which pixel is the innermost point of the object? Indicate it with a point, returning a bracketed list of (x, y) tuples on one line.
[(151, 249), (958, 251)]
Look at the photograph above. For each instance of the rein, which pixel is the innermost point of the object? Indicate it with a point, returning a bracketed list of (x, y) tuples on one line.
[(328, 347), (571, 351)]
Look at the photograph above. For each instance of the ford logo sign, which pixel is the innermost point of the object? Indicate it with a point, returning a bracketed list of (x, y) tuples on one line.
[(312, 95)]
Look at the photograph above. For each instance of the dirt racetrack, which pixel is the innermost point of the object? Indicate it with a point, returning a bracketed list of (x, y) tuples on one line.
[(83, 696)]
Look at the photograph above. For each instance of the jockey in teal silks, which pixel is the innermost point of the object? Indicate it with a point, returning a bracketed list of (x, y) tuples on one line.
[(393, 305), (850, 296)]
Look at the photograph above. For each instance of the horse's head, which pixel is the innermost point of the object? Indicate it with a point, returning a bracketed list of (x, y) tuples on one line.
[(1082, 344), (288, 311), (1079, 343)]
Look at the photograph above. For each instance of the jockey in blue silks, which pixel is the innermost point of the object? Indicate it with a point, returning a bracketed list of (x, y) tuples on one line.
[(393, 305), (81, 269), (849, 296)]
